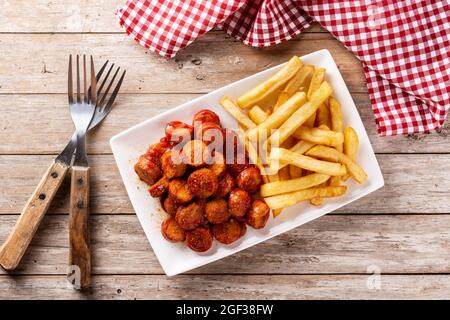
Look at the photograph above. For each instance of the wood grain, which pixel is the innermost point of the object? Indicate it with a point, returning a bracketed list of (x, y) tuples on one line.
[(31, 216), (210, 63), (79, 233), (230, 287), (414, 183), (333, 244), (19, 115), (60, 16)]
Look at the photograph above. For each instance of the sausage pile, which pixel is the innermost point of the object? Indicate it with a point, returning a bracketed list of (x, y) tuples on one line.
[(206, 193)]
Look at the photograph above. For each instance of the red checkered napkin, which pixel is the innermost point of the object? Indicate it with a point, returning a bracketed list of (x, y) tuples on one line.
[(403, 45)]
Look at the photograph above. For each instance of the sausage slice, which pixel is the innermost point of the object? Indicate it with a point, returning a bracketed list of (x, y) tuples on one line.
[(189, 217), (227, 232), (179, 191), (199, 239), (172, 231), (250, 180), (203, 183), (226, 185), (172, 164), (147, 170), (216, 211), (239, 203), (258, 215)]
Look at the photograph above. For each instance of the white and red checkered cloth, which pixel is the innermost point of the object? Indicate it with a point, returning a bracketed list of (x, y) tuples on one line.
[(404, 45)]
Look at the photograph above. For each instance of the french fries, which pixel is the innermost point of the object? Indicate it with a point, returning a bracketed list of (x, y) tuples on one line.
[(282, 98), (351, 143), (293, 131), (319, 136), (336, 119), (289, 199), (308, 163), (274, 178), (330, 154), (285, 186), (257, 115), (355, 171), (316, 80), (336, 126), (323, 126), (323, 116), (251, 151), (323, 152), (302, 146), (319, 201), (270, 85), (311, 120), (237, 113), (300, 82), (295, 172), (335, 181), (283, 174), (253, 156), (302, 114), (279, 116), (276, 212), (351, 146)]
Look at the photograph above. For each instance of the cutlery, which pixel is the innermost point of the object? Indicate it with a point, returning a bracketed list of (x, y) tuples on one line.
[(31, 216), (83, 111)]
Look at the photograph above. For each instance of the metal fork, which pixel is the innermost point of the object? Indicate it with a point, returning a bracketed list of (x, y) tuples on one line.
[(82, 111), (31, 216), (104, 106)]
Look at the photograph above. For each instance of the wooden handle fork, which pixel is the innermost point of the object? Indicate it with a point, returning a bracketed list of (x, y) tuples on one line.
[(80, 253), (26, 226)]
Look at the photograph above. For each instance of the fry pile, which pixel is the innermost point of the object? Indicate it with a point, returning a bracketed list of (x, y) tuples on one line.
[(294, 132)]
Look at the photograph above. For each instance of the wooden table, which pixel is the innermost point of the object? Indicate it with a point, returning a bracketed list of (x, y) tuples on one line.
[(402, 230)]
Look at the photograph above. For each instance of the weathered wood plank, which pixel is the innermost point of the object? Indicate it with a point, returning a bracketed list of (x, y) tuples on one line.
[(44, 124), (59, 16), (104, 184), (38, 62), (329, 245), (67, 16), (415, 183), (230, 287)]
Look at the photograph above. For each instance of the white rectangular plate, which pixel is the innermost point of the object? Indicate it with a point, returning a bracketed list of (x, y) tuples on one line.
[(176, 258)]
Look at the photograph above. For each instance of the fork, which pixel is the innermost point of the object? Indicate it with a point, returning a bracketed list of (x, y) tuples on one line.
[(31, 216), (82, 112), (101, 111)]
